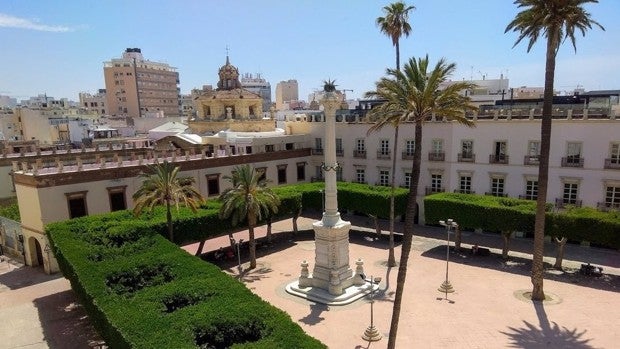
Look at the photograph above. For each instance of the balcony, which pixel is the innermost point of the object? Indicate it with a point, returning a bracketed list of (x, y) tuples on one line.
[(531, 160), (464, 191), (498, 159), (383, 154), (466, 157), (612, 163), (437, 156), (572, 161), (433, 190), (408, 155), (608, 206), (360, 154), (527, 197), (339, 152), (382, 184), (317, 151), (563, 203)]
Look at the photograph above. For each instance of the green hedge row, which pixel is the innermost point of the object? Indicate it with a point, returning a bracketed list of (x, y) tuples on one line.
[(141, 291), (497, 214)]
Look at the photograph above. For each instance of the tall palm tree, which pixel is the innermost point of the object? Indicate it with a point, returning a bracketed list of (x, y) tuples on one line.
[(162, 186), (395, 24), (415, 94), (557, 20), (248, 199)]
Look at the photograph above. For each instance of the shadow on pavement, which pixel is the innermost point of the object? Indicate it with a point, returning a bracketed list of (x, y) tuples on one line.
[(315, 314), (523, 266), (65, 323), (23, 276), (548, 335)]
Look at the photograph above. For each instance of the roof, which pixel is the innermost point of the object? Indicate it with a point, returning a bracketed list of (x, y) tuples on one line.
[(171, 126)]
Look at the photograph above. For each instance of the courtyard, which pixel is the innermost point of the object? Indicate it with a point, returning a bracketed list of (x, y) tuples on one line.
[(487, 309)]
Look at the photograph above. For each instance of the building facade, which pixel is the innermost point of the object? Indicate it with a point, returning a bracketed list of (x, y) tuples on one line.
[(141, 88), (286, 92), (94, 103), (259, 86)]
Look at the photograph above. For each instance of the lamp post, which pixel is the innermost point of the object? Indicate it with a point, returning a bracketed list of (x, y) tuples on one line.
[(446, 286), (238, 248), (371, 334)]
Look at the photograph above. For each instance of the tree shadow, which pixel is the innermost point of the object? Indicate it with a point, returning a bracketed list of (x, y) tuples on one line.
[(16, 277), (523, 266), (250, 275), (65, 323), (548, 335), (314, 317)]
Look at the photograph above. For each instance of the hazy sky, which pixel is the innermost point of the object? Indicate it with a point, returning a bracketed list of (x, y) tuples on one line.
[(58, 47)]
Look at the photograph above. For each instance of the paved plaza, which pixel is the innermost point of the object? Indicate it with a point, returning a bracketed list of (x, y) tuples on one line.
[(486, 310)]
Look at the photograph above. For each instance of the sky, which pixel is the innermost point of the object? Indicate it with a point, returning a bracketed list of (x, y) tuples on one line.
[(58, 47)]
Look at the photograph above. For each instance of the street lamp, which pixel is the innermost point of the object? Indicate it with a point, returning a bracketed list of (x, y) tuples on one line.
[(371, 334), (446, 286), (238, 247)]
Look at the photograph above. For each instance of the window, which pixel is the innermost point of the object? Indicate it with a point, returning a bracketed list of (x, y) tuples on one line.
[(213, 184), (360, 144), (339, 150), (612, 196), (262, 171), (339, 174), (269, 148), (409, 147), (116, 196), (407, 179), (533, 153), (281, 174), (499, 153), (436, 179), (384, 177), (570, 193), (531, 189), (573, 150), (385, 147), (467, 149), (497, 186), (360, 175), (614, 153), (289, 146), (437, 146), (76, 203), (301, 171), (318, 143), (465, 184)]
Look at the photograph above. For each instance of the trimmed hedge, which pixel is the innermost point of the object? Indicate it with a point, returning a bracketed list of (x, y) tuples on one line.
[(147, 293), (497, 214)]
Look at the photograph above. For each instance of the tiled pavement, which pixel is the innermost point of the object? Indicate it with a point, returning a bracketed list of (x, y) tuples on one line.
[(38, 311)]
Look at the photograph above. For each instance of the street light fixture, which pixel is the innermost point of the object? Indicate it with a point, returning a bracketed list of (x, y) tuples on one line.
[(446, 286), (371, 334), (238, 248)]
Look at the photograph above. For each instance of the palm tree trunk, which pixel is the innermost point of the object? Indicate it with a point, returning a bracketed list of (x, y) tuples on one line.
[(543, 168), (169, 221), (407, 234), (391, 258), (457, 238), (269, 237), (559, 255), (200, 247), (397, 54)]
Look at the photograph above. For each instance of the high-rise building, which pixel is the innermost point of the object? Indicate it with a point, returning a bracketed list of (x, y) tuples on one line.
[(286, 91), (141, 88), (259, 86)]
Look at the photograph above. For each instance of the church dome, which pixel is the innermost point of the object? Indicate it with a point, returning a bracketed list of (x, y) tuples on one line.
[(229, 77)]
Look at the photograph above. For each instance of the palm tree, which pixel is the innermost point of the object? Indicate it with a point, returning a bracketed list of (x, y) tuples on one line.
[(415, 94), (395, 24), (248, 199), (556, 20), (161, 186)]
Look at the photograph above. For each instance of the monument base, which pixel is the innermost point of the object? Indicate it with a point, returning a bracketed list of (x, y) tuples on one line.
[(322, 296)]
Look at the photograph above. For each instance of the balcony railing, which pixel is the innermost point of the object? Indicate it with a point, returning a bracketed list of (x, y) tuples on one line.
[(498, 159), (466, 157), (432, 190), (407, 155), (562, 203), (464, 191), (572, 161), (608, 206), (503, 195), (527, 197), (383, 154), (612, 163), (317, 151), (361, 154), (437, 156), (339, 152), (530, 160)]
